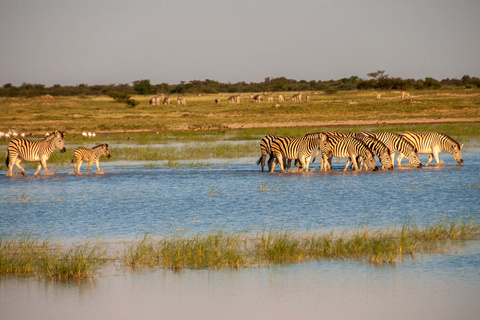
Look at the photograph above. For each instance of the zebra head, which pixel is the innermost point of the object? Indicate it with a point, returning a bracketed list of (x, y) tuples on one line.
[(370, 162), (457, 153), (386, 160), (59, 141), (105, 150), (412, 157)]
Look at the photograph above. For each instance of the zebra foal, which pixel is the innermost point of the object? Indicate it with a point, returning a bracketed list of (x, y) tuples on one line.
[(19, 150), (433, 143), (91, 155)]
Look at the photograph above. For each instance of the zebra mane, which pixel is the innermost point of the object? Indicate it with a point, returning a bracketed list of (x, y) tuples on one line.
[(450, 139), (100, 146)]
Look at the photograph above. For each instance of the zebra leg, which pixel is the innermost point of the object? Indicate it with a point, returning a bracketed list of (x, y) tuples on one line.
[(437, 158), (354, 162), (38, 168), (430, 158), (280, 162), (15, 163), (347, 164), (79, 164), (89, 165), (399, 159), (97, 163)]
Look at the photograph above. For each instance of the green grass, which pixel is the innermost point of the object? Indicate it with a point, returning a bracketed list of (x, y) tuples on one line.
[(24, 255)]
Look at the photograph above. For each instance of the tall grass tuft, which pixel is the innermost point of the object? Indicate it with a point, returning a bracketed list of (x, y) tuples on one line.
[(24, 255)]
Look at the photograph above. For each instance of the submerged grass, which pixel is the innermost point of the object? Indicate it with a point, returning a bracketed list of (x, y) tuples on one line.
[(26, 256)]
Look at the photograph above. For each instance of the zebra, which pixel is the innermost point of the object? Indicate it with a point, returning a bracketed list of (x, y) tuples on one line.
[(301, 148), (378, 148), (20, 149), (167, 100), (351, 148), (266, 149), (91, 155), (257, 98), (396, 142), (433, 143)]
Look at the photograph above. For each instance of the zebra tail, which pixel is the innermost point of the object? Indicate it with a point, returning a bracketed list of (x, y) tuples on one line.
[(7, 159), (259, 160)]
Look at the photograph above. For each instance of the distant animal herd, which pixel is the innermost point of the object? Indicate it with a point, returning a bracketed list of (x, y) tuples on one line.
[(359, 148)]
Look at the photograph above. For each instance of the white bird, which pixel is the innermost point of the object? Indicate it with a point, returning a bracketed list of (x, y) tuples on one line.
[(93, 134), (84, 134), (7, 135), (22, 134), (2, 134), (89, 134), (47, 134)]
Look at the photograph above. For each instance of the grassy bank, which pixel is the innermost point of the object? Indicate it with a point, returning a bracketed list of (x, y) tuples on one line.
[(102, 114), (26, 256)]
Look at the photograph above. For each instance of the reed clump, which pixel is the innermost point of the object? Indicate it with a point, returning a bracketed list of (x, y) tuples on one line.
[(222, 250), (24, 255)]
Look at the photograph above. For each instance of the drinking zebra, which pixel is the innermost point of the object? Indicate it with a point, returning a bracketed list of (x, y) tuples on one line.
[(378, 148), (351, 148), (28, 150), (301, 148), (396, 142), (266, 149), (433, 143), (91, 155)]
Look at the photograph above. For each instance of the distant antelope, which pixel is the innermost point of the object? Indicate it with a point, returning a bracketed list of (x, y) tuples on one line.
[(181, 100), (217, 100), (379, 96), (297, 97), (307, 98), (167, 100), (257, 98), (270, 98), (281, 98), (233, 99), (157, 99), (405, 95)]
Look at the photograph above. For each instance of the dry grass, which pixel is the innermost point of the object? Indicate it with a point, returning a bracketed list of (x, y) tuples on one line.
[(75, 114)]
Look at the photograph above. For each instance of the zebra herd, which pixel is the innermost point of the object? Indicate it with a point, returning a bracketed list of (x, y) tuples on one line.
[(21, 149), (359, 148)]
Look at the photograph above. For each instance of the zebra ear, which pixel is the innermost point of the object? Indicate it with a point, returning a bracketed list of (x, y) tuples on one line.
[(461, 146)]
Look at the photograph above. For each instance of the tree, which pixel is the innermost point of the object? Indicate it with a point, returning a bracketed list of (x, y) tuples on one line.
[(143, 87)]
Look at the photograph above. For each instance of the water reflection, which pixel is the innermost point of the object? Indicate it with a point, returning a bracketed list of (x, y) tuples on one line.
[(433, 286)]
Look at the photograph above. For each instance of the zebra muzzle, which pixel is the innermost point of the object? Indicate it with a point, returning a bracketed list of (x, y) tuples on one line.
[(63, 150)]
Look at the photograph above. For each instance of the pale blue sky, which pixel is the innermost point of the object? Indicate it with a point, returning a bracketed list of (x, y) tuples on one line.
[(105, 41)]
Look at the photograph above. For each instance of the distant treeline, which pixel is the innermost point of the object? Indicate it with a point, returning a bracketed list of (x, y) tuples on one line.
[(377, 81)]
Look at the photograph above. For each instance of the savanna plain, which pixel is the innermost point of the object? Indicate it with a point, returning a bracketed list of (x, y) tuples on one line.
[(186, 145)]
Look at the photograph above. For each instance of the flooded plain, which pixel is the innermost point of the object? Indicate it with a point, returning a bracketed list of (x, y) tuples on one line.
[(131, 200)]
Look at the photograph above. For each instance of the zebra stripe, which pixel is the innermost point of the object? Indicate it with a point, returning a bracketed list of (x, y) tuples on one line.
[(351, 148), (433, 143), (27, 150), (378, 148), (91, 155), (301, 148), (396, 142)]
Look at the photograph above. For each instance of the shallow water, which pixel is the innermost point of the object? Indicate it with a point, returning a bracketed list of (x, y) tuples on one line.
[(129, 201)]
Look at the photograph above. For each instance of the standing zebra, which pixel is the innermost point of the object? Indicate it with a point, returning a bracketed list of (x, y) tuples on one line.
[(378, 148), (433, 143), (21, 149), (91, 155), (351, 148), (301, 148), (396, 142)]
